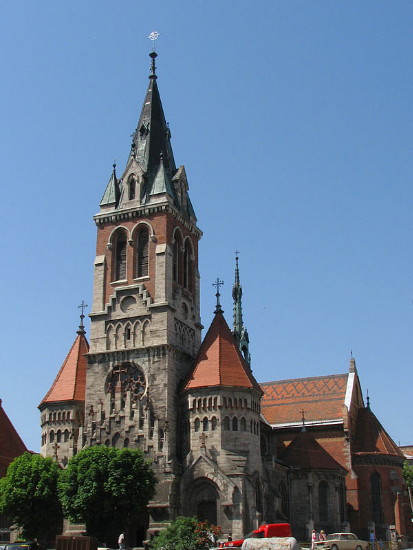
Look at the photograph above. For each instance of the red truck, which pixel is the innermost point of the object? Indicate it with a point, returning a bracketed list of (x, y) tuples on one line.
[(266, 531)]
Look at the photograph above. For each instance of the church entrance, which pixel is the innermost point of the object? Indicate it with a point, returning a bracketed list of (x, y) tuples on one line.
[(203, 499)]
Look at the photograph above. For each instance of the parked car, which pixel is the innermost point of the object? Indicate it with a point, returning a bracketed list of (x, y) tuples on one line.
[(342, 541), (266, 531)]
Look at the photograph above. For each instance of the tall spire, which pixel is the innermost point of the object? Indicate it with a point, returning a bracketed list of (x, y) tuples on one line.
[(152, 137), (240, 332)]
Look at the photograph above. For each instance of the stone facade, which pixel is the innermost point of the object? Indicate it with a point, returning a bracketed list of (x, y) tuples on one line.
[(223, 447)]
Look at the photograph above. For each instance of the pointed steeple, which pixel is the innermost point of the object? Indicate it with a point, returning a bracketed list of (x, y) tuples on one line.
[(70, 382), (112, 191), (240, 332), (152, 137), (219, 361)]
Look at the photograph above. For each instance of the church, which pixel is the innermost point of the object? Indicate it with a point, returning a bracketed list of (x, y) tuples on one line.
[(224, 447)]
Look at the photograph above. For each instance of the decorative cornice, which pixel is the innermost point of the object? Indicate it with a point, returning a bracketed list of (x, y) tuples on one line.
[(377, 460), (104, 218)]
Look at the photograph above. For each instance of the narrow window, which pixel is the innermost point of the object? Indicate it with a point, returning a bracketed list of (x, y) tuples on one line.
[(235, 424), (188, 268), (323, 501), (205, 424), (120, 258), (177, 258), (226, 423), (375, 486), (142, 253), (132, 187)]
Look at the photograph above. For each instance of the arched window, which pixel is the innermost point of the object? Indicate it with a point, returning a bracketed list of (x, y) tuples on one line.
[(323, 501), (131, 188), (51, 436), (375, 487), (58, 436), (197, 424), (214, 423), (177, 258), (235, 424), (120, 257), (142, 252), (226, 423), (205, 424), (342, 502), (66, 435), (243, 425), (188, 266)]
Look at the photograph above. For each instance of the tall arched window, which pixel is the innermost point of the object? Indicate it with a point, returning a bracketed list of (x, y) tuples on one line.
[(188, 266), (226, 423), (131, 188), (197, 424), (375, 486), (120, 257), (177, 258), (235, 424), (323, 501), (142, 252), (205, 424)]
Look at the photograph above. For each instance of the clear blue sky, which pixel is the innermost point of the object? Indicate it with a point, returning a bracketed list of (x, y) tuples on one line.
[(294, 122)]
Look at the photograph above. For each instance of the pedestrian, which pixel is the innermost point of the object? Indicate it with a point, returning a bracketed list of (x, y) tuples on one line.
[(322, 535), (121, 541), (314, 538)]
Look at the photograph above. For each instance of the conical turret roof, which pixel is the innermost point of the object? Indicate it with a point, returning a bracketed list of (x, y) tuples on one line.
[(219, 361), (70, 382)]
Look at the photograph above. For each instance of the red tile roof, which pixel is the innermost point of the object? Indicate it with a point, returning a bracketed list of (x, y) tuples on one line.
[(322, 398), (305, 452), (219, 361), (70, 382), (371, 437), (11, 445)]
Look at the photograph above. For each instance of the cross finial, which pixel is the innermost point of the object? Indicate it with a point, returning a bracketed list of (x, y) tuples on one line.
[(82, 307), (202, 439), (303, 429), (218, 283)]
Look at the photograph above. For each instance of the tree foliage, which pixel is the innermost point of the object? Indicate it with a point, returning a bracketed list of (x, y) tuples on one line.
[(187, 533), (106, 488), (28, 494), (408, 479), (408, 474)]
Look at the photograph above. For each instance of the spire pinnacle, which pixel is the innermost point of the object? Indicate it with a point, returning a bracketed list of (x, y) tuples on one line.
[(218, 283), (153, 55), (239, 331), (82, 307), (303, 429)]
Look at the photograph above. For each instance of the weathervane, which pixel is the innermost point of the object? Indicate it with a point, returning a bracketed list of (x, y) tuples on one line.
[(153, 36)]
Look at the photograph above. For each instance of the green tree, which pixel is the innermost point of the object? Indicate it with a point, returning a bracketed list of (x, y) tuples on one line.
[(187, 533), (28, 495), (408, 478), (107, 489)]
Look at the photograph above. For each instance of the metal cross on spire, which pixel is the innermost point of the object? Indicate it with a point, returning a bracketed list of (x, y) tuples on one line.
[(82, 307), (218, 283), (303, 429)]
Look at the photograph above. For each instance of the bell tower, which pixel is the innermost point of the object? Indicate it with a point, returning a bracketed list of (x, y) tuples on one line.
[(145, 319)]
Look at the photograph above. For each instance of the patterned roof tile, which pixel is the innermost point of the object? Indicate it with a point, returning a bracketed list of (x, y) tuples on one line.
[(321, 398)]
